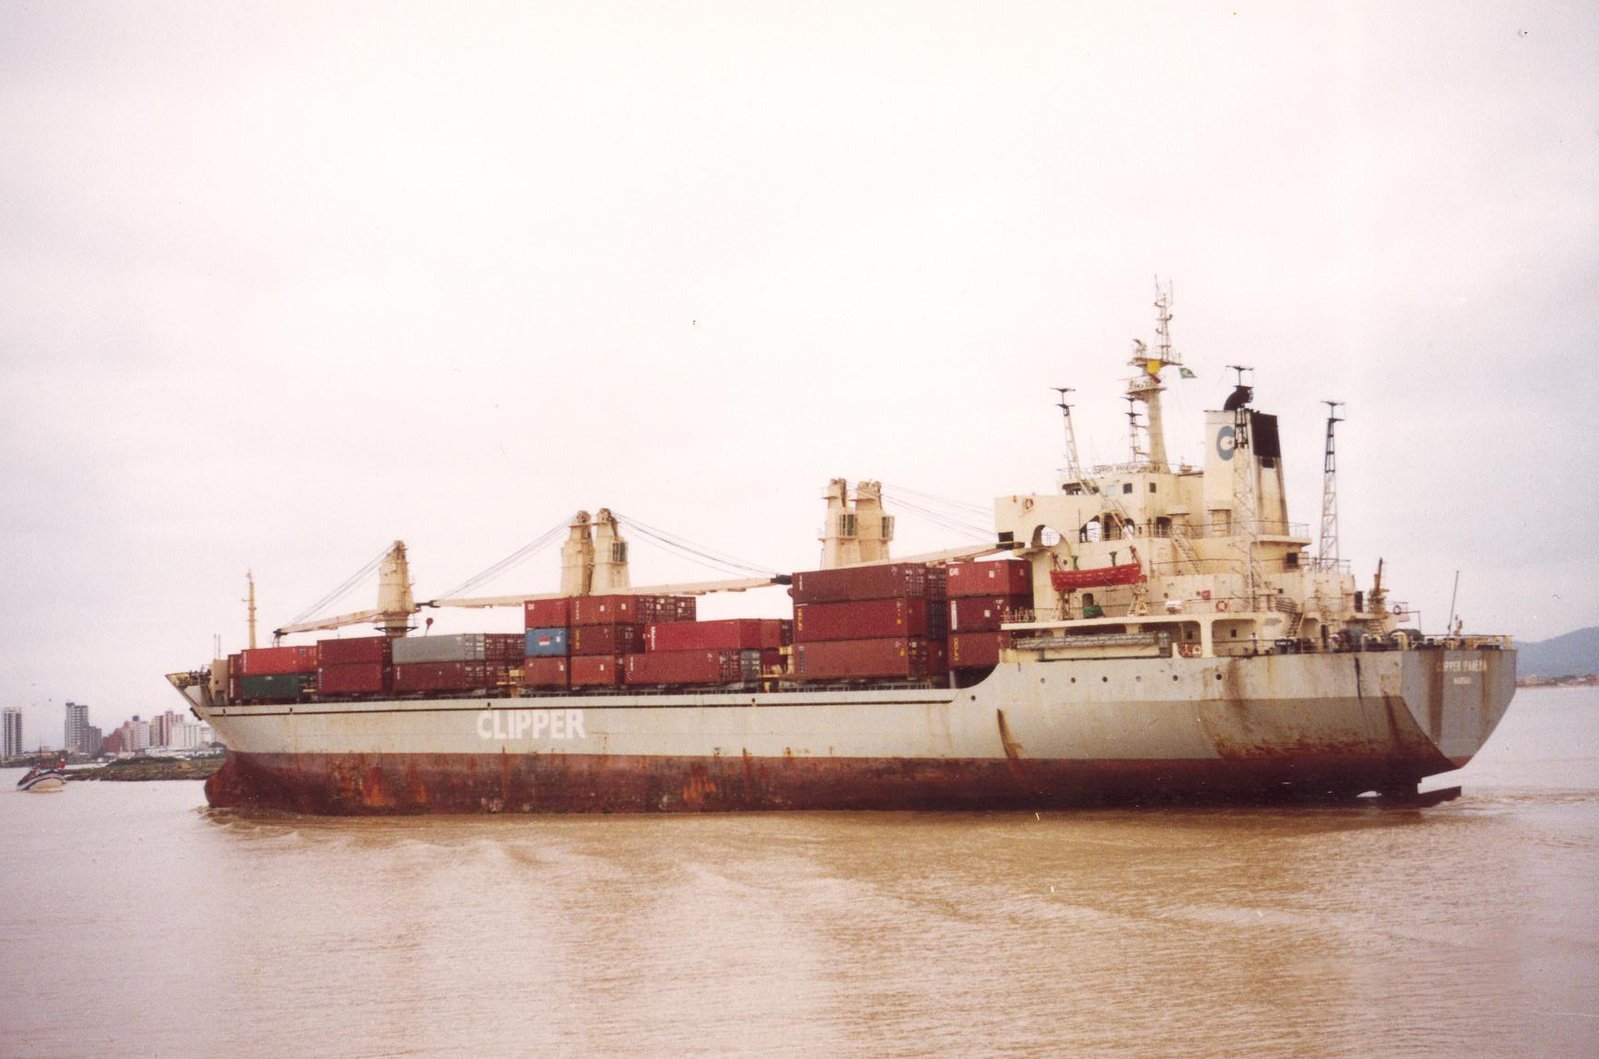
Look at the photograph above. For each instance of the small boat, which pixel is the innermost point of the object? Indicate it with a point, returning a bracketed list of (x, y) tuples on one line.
[(44, 778)]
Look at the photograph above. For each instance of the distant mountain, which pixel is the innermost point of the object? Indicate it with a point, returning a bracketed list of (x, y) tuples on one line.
[(1574, 654)]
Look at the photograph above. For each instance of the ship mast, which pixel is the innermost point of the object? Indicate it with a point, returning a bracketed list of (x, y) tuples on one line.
[(249, 599), (1145, 386), (1327, 550)]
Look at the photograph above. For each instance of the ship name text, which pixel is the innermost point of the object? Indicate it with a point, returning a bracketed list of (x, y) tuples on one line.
[(530, 724), (1465, 665)]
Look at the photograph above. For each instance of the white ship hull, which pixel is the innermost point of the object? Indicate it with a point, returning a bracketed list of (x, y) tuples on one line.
[(1033, 734)]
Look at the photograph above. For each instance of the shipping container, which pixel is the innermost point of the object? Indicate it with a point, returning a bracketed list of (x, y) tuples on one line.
[(619, 639), (546, 672), (460, 647), (450, 676), (546, 643), (596, 670), (379, 649), (1006, 577), (897, 658), (976, 650), (883, 581), (867, 619), (627, 609), (690, 667), (280, 687), (354, 678), (733, 633), (547, 613), (937, 658), (270, 661), (773, 661), (984, 614)]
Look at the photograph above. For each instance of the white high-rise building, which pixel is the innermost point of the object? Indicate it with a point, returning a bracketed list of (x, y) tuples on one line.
[(13, 731), (77, 730)]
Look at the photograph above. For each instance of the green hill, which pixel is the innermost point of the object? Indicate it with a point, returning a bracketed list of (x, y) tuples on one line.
[(1572, 655)]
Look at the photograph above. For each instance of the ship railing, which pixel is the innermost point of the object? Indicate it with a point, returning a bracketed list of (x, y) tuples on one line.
[(1230, 565)]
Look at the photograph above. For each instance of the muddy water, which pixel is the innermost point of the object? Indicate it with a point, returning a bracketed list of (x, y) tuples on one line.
[(138, 922)]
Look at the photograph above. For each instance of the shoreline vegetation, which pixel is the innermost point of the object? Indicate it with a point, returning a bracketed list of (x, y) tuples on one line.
[(152, 768)]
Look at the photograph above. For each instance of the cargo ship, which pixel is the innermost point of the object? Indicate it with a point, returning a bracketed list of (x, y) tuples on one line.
[(1142, 633)]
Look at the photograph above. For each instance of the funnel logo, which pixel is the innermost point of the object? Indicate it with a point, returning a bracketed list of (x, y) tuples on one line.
[(1226, 442)]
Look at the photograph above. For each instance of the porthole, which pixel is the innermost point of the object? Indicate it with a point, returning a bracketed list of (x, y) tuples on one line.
[(1104, 680)]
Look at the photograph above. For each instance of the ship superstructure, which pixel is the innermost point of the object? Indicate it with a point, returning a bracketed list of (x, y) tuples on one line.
[(1142, 632)]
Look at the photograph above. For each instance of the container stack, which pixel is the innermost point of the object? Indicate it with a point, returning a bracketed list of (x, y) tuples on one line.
[(584, 641), (471, 661), (547, 646), (884, 622), (737, 651), (272, 674), (361, 665), (983, 596)]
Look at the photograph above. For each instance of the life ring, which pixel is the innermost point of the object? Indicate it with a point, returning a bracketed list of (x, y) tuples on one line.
[(1027, 505), (1398, 609), (1221, 606)]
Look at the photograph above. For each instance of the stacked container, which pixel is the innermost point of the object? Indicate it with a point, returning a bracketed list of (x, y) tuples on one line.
[(472, 661), (736, 651), (272, 674), (983, 596), (361, 665), (883, 622), (547, 645), (584, 641)]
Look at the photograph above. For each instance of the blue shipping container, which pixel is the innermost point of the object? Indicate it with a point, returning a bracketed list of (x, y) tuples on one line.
[(546, 643)]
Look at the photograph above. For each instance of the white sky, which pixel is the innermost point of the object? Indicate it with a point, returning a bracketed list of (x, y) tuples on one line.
[(283, 282)]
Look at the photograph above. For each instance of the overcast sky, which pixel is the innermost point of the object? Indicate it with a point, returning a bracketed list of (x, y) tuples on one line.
[(284, 282)]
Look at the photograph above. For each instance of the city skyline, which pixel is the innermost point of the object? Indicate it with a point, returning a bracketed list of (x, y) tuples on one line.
[(169, 729)]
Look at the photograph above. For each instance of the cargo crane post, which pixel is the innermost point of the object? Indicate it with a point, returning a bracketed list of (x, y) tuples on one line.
[(1074, 468)]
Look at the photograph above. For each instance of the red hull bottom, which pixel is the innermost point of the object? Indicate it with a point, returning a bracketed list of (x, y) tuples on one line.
[(569, 783)]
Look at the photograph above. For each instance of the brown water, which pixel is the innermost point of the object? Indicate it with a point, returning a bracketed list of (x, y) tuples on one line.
[(138, 922)]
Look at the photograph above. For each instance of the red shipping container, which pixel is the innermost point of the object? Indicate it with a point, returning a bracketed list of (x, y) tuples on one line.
[(507, 647), (596, 670), (734, 633), (773, 661), (270, 661), (867, 619), (883, 581), (1006, 577), (606, 639), (674, 609), (607, 610), (354, 678), (379, 649), (450, 676), (976, 650), (685, 667), (984, 614), (937, 658), (641, 610), (547, 613), (898, 658), (545, 673)]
